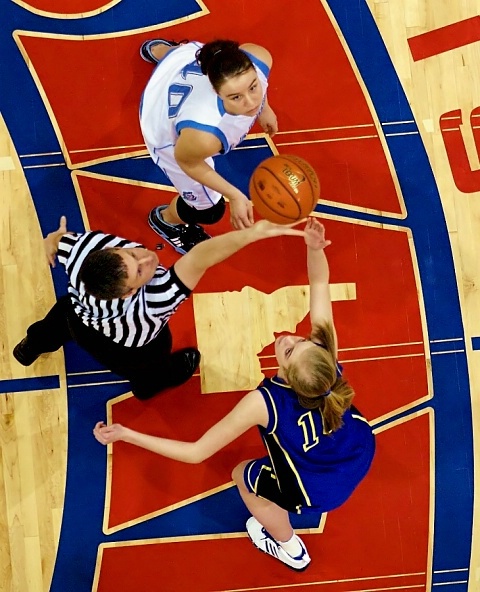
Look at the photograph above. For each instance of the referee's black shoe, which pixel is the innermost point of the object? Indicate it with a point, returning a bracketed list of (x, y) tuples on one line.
[(24, 353), (184, 364)]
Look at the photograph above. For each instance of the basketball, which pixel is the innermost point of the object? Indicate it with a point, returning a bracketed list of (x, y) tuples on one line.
[(284, 189)]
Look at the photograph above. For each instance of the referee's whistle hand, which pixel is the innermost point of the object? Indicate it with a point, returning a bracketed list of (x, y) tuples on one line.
[(52, 240)]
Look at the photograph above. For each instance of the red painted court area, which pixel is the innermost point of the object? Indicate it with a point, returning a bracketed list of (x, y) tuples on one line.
[(380, 537), (376, 540), (322, 111)]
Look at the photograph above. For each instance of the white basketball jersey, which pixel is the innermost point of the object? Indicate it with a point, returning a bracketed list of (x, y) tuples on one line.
[(179, 96)]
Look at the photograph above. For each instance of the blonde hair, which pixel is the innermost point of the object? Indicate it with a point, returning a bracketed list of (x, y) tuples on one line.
[(316, 382)]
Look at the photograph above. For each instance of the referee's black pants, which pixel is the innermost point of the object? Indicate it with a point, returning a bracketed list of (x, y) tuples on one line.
[(150, 368)]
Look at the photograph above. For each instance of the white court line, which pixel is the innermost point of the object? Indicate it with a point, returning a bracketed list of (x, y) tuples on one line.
[(380, 346), (397, 122), (324, 129), (327, 140), (89, 372), (402, 134), (303, 584), (71, 386), (82, 150), (44, 166)]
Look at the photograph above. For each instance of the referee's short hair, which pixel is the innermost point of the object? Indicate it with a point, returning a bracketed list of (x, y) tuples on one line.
[(104, 274)]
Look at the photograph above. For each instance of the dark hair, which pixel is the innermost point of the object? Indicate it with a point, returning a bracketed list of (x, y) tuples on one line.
[(221, 60), (316, 374), (104, 273)]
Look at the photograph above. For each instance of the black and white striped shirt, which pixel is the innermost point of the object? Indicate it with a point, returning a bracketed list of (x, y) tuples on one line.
[(131, 322)]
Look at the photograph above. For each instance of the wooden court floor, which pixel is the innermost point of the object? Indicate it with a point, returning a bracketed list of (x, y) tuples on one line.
[(383, 98)]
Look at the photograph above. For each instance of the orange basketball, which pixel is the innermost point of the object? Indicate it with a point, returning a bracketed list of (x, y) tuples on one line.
[(284, 189)]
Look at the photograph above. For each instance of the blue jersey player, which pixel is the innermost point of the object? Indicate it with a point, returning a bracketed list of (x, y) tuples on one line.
[(201, 101), (319, 446)]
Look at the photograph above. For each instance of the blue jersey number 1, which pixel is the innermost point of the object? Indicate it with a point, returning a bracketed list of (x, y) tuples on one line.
[(310, 437)]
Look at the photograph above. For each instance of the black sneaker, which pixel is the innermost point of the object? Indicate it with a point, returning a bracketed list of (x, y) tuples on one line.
[(184, 364), (147, 46), (24, 354), (182, 237)]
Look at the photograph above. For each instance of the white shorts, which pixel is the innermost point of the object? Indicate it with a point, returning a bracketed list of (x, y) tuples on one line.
[(194, 193)]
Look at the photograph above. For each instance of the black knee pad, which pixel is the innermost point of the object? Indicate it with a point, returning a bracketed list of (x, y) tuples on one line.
[(208, 216)]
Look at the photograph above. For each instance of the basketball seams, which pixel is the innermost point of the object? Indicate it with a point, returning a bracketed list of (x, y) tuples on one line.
[(287, 174), (268, 204), (303, 164)]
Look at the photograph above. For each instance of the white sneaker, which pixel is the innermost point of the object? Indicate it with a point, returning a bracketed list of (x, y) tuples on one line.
[(266, 543)]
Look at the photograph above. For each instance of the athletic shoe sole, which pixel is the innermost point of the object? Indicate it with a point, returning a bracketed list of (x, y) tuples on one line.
[(274, 554)]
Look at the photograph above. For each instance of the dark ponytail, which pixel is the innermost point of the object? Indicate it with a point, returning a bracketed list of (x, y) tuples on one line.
[(317, 382), (221, 60)]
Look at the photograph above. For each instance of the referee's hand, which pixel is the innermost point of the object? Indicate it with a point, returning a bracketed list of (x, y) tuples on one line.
[(52, 240)]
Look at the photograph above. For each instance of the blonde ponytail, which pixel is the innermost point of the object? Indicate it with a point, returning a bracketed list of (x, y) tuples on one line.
[(318, 383)]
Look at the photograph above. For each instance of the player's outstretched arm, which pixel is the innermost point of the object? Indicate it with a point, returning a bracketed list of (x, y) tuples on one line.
[(191, 150), (318, 273), (249, 412), (191, 267)]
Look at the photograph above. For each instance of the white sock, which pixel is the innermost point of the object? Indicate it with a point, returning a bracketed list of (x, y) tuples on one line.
[(292, 546)]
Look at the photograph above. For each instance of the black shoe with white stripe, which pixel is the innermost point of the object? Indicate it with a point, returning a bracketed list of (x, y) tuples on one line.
[(182, 237), (266, 543)]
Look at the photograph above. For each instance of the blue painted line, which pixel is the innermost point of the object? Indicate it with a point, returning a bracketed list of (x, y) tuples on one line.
[(22, 385), (476, 342), (453, 464)]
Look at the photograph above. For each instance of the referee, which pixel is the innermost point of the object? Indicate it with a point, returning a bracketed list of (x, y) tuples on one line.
[(120, 299)]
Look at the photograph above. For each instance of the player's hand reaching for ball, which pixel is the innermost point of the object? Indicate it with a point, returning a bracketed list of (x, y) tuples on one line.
[(268, 121), (266, 229), (108, 434), (241, 212), (315, 235)]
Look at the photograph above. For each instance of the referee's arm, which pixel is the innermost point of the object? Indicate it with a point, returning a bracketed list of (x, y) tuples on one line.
[(191, 267)]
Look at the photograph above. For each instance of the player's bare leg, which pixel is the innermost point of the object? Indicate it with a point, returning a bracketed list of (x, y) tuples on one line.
[(271, 516)]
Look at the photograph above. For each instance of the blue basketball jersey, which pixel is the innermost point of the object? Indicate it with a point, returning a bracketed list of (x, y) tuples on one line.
[(313, 468)]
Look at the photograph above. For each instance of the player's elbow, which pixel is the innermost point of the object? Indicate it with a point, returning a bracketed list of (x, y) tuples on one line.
[(195, 457)]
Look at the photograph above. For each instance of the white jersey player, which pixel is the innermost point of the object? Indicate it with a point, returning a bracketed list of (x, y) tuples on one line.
[(201, 101)]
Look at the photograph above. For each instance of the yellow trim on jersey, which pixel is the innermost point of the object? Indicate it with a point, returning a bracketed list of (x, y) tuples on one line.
[(360, 417), (274, 409), (292, 466)]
